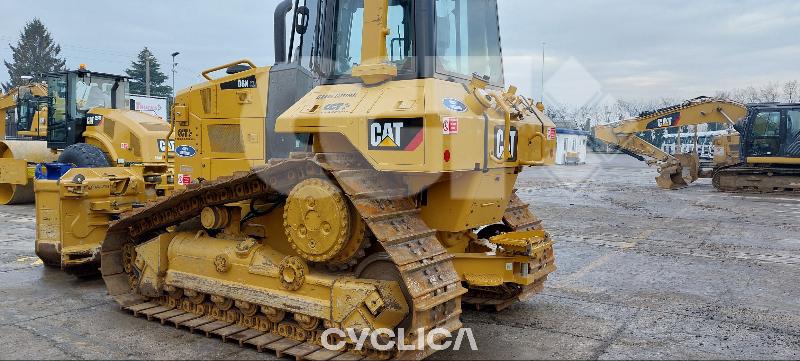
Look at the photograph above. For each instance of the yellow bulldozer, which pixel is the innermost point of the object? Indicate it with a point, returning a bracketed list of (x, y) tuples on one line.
[(761, 155), (365, 181)]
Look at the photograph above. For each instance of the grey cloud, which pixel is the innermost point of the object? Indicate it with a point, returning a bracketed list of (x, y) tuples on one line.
[(635, 49)]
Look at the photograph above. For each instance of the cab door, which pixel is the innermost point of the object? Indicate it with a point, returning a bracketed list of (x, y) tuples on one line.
[(60, 127), (765, 134), (792, 133)]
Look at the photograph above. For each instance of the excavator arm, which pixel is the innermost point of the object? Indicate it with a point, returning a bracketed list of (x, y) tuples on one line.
[(676, 171)]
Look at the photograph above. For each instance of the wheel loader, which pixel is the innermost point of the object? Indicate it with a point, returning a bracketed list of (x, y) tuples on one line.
[(364, 182), (761, 153), (123, 154)]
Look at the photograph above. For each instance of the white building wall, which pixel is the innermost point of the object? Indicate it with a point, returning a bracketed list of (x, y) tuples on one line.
[(571, 143)]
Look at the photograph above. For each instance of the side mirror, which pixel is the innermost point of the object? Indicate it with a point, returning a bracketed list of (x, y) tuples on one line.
[(302, 20)]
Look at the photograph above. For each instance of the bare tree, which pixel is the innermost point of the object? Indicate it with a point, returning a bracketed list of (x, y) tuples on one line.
[(790, 91), (723, 94), (769, 93)]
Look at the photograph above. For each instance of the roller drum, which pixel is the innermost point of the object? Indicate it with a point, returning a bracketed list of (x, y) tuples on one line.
[(15, 187)]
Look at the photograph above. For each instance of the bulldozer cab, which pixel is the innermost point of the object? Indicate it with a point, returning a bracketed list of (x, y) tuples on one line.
[(72, 95), (772, 130), (332, 42), (449, 39)]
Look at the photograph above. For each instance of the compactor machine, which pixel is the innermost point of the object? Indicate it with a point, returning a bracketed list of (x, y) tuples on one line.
[(78, 117), (761, 154), (21, 141), (365, 181), (121, 159)]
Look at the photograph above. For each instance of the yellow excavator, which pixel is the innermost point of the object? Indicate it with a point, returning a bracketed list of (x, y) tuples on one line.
[(761, 155), (25, 108), (365, 181)]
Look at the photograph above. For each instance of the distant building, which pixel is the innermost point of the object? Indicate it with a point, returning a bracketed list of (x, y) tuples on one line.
[(571, 146)]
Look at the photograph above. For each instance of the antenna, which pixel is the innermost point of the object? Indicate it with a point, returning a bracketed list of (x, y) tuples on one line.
[(543, 45)]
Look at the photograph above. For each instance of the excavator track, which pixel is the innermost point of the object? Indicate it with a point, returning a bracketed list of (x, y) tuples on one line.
[(426, 269), (518, 217), (744, 179)]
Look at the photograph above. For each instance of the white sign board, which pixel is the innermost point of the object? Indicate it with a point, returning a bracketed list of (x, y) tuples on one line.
[(151, 105)]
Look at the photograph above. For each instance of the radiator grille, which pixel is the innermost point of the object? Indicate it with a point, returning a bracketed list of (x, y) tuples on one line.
[(225, 138), (108, 127)]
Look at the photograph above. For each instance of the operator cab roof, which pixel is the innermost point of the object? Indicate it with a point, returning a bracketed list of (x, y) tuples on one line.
[(84, 71), (774, 105)]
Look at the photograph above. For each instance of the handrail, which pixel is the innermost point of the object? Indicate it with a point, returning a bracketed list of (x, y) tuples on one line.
[(217, 68)]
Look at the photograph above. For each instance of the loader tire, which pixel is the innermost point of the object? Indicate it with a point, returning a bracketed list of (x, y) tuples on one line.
[(84, 155)]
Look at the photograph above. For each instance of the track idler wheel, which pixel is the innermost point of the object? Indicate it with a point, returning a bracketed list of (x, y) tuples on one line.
[(379, 266), (321, 225)]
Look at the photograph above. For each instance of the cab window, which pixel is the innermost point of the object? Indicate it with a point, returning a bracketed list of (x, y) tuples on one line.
[(766, 134), (57, 91), (468, 39), (93, 92), (349, 26)]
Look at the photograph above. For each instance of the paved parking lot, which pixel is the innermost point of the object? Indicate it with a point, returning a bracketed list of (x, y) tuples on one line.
[(643, 274)]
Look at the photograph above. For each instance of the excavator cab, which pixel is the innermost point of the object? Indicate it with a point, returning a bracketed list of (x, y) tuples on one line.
[(772, 132), (30, 113), (71, 95)]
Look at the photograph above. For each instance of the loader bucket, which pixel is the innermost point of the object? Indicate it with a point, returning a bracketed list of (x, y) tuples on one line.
[(676, 176)]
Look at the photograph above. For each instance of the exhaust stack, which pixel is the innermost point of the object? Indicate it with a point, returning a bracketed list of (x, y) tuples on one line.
[(280, 30)]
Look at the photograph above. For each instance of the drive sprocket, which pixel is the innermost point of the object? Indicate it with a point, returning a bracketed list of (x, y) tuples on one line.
[(320, 223)]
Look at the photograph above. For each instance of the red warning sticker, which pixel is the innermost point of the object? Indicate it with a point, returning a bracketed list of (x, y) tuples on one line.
[(449, 125), (184, 179), (551, 133)]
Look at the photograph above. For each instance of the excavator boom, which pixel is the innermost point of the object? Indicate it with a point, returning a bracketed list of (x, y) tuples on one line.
[(676, 171)]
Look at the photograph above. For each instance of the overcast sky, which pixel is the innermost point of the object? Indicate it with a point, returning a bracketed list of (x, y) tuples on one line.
[(633, 49)]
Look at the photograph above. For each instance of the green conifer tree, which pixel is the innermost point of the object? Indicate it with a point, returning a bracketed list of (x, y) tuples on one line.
[(35, 54), (137, 73)]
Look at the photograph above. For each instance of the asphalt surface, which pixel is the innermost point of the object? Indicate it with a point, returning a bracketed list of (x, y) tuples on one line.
[(643, 274)]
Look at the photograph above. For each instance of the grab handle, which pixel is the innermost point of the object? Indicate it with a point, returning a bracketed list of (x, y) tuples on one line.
[(243, 61)]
